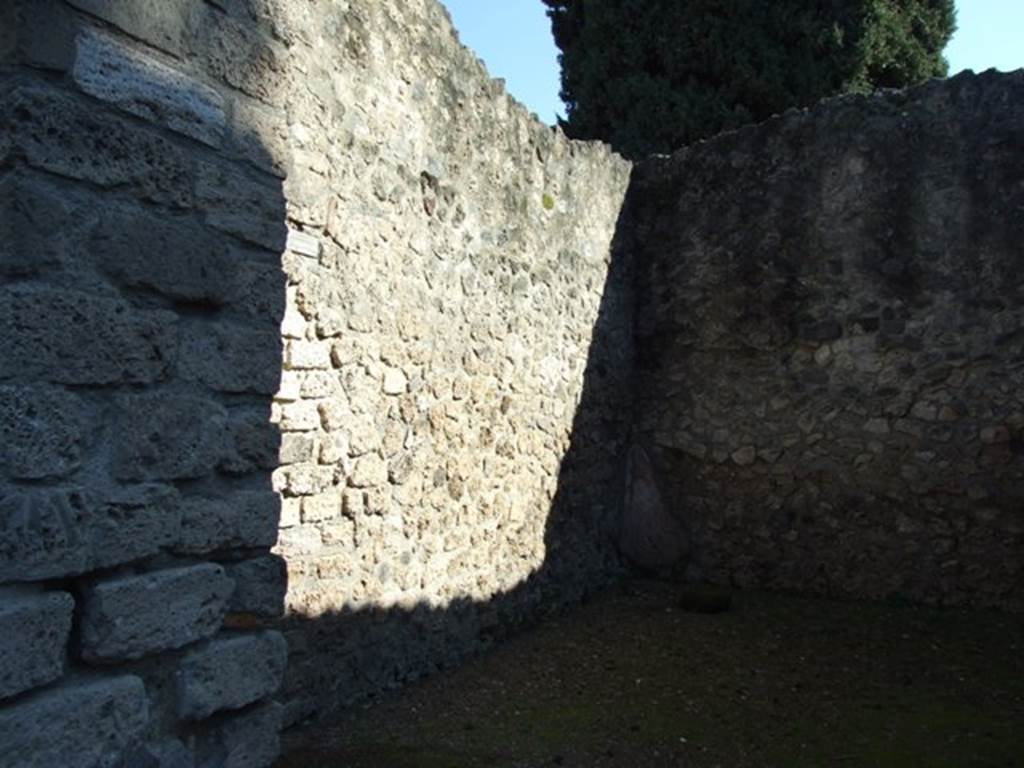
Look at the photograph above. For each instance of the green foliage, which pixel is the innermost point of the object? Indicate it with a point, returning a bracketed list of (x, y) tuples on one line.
[(653, 75)]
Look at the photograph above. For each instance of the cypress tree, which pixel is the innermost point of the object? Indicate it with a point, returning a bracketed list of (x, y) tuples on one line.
[(653, 75)]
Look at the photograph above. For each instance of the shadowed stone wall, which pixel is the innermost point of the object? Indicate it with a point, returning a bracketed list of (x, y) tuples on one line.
[(141, 295), (829, 344)]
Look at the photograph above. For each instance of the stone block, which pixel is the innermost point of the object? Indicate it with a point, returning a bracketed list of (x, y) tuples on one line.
[(242, 520), (260, 134), (302, 479), (124, 76), (291, 511), (308, 355), (39, 33), (260, 586), (323, 506), (86, 724), (232, 358), (302, 416), (170, 255), (300, 540), (394, 382), (285, 21), (128, 617), (70, 337), (169, 753), (242, 204), (296, 448), (240, 55), (160, 23), (230, 673), (320, 385), (66, 136), (48, 534), (163, 436), (9, 58), (370, 470), (29, 243), (255, 442), (259, 290), (34, 632), (250, 739), (335, 414), (42, 431)]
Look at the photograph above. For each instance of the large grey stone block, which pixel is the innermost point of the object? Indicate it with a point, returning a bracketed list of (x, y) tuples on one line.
[(250, 739), (29, 243), (233, 358), (255, 443), (259, 133), (243, 204), (169, 753), (260, 293), (230, 673), (131, 616), (161, 23), (71, 337), (89, 724), (62, 134), (260, 585), (112, 71), (163, 436), (246, 519), (37, 33), (63, 532), (34, 632), (42, 431), (170, 255), (240, 54), (8, 40)]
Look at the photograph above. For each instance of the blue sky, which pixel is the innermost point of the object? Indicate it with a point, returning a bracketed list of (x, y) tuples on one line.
[(514, 40)]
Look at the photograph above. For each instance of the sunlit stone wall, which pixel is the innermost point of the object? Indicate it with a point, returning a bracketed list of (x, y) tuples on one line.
[(456, 354)]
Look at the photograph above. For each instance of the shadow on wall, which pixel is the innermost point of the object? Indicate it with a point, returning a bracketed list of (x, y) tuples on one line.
[(139, 357), (142, 294)]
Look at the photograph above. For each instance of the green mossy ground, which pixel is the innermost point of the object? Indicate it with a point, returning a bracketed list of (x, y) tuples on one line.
[(632, 680)]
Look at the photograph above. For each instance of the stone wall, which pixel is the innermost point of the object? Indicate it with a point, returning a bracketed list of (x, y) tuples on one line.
[(285, 276), (829, 345), (141, 300), (455, 355), (320, 359)]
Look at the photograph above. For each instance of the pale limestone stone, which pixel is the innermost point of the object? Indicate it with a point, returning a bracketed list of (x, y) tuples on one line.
[(395, 381), (369, 470), (323, 506), (307, 355), (291, 512), (302, 416)]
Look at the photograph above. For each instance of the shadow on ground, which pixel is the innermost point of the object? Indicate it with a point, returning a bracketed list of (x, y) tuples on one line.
[(632, 680)]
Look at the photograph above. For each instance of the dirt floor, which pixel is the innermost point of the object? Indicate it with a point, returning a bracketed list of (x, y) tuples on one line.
[(634, 680)]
